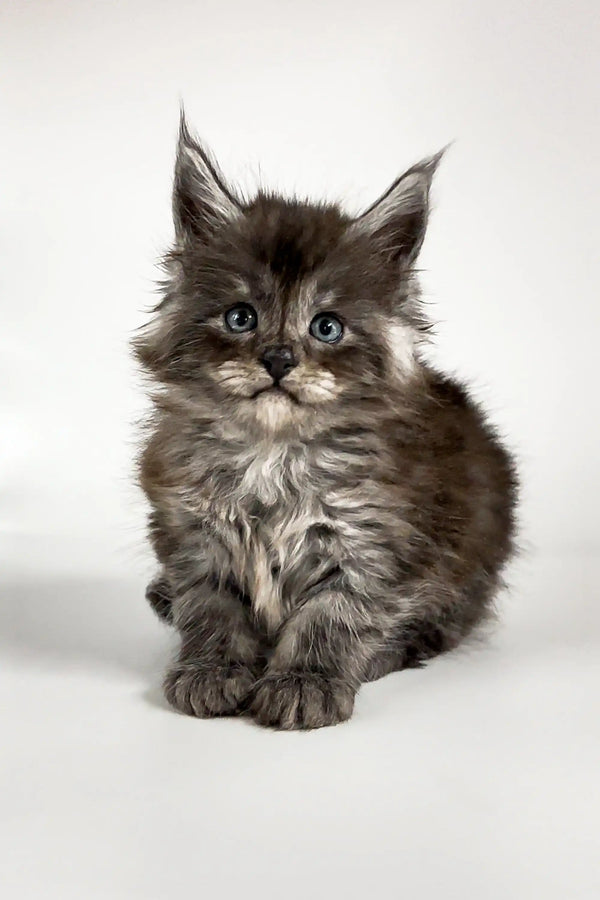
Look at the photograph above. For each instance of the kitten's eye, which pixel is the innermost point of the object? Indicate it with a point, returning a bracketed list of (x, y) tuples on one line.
[(241, 318), (326, 327)]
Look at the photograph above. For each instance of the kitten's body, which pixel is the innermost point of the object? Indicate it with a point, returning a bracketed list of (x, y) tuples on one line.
[(315, 541)]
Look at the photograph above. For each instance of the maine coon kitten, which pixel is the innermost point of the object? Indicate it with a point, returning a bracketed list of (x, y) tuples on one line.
[(326, 508)]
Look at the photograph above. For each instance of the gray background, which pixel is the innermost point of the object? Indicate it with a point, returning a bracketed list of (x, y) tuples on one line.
[(476, 777)]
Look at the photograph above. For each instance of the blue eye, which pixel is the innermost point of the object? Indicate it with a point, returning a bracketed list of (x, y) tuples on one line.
[(327, 328), (241, 318)]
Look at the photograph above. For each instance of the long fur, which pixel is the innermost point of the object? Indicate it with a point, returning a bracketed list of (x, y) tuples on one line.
[(312, 540)]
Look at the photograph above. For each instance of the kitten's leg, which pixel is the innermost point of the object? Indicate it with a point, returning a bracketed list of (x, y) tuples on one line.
[(159, 592), (322, 655), (449, 615), (410, 648), (220, 657), (160, 597)]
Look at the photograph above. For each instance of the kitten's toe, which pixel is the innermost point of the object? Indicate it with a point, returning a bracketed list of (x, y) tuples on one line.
[(196, 690), (301, 700)]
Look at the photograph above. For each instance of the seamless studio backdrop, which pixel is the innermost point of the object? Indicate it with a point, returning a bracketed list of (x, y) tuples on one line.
[(477, 775)]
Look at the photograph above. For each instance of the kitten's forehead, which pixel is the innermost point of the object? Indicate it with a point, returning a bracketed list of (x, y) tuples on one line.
[(289, 244), (293, 239), (294, 300)]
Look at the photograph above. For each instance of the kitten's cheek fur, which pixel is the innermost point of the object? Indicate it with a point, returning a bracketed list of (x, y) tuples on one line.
[(313, 385), (301, 700), (204, 692), (241, 379)]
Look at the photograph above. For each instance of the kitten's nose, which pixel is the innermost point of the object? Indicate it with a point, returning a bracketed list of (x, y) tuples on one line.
[(278, 361)]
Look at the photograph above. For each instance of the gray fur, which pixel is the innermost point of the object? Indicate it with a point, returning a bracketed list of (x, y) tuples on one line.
[(312, 540)]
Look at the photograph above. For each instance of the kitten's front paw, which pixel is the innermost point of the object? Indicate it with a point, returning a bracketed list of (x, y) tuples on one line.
[(301, 700), (196, 690)]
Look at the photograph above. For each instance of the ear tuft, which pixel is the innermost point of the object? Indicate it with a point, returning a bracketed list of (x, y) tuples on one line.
[(202, 199), (397, 221)]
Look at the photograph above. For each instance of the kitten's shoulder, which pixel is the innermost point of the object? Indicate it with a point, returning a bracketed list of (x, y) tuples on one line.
[(445, 391), (454, 425), (446, 416)]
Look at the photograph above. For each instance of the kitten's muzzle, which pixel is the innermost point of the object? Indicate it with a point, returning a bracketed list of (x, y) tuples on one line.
[(278, 361)]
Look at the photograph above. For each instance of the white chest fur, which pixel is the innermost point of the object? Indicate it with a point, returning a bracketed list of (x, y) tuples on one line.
[(275, 507)]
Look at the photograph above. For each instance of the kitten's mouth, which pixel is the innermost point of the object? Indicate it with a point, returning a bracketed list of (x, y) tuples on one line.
[(276, 389)]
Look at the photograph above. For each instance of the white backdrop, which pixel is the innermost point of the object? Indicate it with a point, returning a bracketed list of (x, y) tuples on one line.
[(323, 98)]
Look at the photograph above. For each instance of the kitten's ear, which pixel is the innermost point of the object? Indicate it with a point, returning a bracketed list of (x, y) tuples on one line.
[(398, 220), (201, 198)]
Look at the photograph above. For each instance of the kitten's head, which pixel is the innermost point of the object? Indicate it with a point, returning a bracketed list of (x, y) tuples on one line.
[(278, 311)]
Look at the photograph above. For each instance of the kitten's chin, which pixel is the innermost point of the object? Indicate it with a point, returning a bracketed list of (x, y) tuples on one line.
[(276, 410), (288, 411), (275, 390)]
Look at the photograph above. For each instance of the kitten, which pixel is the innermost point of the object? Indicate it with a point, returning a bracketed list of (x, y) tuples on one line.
[(326, 508)]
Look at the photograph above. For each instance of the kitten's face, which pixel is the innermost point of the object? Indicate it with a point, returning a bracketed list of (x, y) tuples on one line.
[(278, 310)]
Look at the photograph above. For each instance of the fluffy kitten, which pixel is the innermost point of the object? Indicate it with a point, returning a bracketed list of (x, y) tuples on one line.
[(326, 508)]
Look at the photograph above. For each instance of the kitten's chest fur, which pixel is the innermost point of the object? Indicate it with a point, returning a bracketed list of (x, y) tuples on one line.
[(272, 508)]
